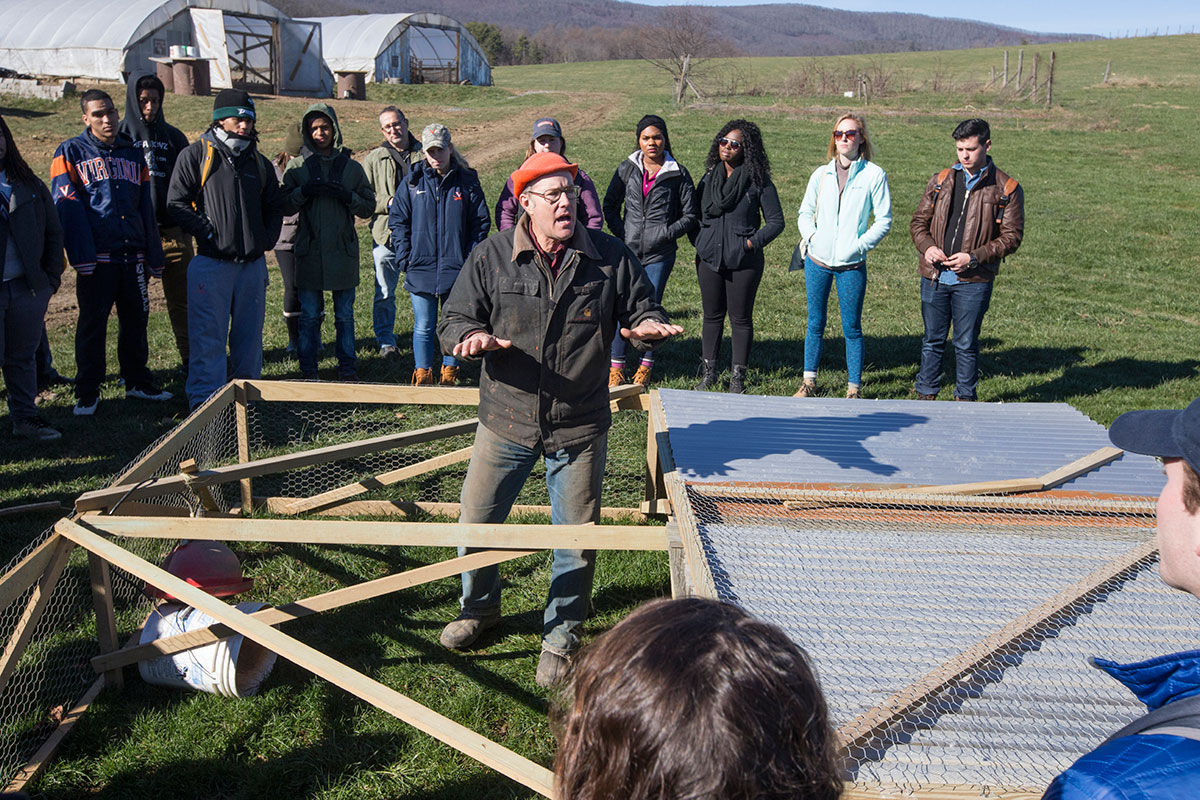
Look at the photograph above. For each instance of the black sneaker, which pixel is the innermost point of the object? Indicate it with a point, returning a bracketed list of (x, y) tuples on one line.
[(36, 428)]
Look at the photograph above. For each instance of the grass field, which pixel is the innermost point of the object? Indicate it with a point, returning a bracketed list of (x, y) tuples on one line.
[(1097, 309)]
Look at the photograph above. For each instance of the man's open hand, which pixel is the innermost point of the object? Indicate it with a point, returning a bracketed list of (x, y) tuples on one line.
[(651, 330), (479, 342)]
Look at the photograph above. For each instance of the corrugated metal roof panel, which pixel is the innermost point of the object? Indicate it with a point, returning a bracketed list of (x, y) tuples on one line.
[(721, 438)]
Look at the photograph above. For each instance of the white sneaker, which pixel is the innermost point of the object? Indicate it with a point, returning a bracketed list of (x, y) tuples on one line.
[(148, 393), (83, 409)]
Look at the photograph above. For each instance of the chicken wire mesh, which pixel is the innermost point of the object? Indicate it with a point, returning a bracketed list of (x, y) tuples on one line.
[(951, 635), (53, 670)]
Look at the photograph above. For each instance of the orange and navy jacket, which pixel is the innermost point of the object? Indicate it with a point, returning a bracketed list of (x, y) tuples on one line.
[(102, 193)]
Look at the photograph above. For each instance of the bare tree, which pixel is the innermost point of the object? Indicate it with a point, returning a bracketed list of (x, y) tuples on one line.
[(683, 41)]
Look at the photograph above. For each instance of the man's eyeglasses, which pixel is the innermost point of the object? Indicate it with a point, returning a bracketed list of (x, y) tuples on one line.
[(847, 135), (554, 195), (732, 144)]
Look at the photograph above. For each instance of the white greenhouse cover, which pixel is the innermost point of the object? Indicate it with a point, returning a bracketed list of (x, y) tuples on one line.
[(352, 43), (89, 39)]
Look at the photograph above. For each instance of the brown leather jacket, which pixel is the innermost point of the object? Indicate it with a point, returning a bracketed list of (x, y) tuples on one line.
[(982, 237)]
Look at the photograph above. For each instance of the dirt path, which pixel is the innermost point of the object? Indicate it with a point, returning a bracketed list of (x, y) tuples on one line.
[(485, 146)]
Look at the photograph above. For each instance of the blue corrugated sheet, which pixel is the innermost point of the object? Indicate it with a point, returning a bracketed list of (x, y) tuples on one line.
[(721, 438)]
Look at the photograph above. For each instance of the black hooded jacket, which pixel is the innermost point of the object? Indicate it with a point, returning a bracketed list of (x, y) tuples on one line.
[(159, 143)]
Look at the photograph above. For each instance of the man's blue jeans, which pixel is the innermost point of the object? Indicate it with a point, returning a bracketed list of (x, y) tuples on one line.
[(964, 305), (227, 301), (425, 343), (498, 471), (657, 272), (310, 329), (851, 288), (383, 312)]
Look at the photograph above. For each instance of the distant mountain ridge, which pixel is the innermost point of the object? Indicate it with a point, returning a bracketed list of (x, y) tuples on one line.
[(775, 29)]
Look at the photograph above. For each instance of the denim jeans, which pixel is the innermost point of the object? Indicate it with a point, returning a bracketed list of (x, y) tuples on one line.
[(851, 287), (310, 329), (425, 343), (657, 272), (964, 305), (383, 312), (22, 315), (227, 301), (498, 471)]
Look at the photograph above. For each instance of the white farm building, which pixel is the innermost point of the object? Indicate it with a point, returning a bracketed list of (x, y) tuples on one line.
[(251, 44)]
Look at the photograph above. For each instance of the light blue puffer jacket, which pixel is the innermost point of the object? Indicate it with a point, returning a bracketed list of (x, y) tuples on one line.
[(836, 227)]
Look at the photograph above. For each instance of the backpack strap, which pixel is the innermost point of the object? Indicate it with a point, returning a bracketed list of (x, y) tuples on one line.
[(941, 178), (1010, 188), (206, 169), (1183, 713)]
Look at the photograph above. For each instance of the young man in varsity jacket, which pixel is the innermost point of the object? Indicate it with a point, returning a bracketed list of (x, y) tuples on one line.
[(101, 189), (224, 193)]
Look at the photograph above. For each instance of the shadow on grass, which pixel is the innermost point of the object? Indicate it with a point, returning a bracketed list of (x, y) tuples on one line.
[(24, 113), (1078, 378)]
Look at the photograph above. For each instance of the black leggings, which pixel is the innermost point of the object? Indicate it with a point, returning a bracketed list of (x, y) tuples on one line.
[(731, 290)]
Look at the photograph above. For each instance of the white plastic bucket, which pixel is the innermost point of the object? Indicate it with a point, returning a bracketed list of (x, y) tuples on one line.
[(231, 667)]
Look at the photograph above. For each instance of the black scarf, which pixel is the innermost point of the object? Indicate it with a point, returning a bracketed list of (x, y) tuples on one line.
[(721, 192)]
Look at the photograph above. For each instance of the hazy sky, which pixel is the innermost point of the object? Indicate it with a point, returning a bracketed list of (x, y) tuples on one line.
[(1103, 17)]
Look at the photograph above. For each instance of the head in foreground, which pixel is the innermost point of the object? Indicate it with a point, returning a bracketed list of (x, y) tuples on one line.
[(1173, 436), (694, 698)]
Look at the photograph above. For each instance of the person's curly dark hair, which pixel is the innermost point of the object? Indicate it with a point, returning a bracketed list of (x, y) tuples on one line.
[(754, 155)]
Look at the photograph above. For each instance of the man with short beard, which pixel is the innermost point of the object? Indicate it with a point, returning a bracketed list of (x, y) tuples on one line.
[(225, 194), (540, 304), (386, 166)]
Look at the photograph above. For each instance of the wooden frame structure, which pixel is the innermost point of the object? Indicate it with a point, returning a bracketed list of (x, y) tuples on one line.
[(131, 507), (1012, 496)]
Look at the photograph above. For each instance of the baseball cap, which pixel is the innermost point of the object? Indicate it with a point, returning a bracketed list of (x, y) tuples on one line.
[(435, 135), (546, 126), (539, 165), (1163, 433)]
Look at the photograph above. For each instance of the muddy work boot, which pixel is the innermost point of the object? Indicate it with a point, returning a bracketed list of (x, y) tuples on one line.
[(422, 376), (462, 632), (708, 376), (552, 670)]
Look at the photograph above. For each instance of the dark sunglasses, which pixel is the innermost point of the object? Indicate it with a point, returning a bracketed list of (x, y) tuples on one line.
[(851, 135), (732, 144)]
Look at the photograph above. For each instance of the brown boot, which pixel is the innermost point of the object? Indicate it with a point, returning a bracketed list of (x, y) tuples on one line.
[(422, 377), (808, 388), (449, 375), (642, 376), (616, 376)]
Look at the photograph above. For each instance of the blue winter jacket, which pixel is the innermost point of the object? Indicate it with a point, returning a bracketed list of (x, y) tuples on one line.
[(834, 225), (102, 194), (1141, 766), (435, 222)]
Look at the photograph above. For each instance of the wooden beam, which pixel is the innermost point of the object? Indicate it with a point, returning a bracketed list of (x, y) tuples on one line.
[(955, 792), (424, 534), (106, 619), (379, 481), (134, 652), (102, 498), (373, 393), (865, 728), (403, 508), (147, 465), (52, 742), (30, 569), (702, 579), (1056, 477), (487, 752), (188, 470), (242, 423), (34, 608), (1080, 466)]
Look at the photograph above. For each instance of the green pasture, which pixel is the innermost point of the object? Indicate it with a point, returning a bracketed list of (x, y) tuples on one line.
[(1097, 309)]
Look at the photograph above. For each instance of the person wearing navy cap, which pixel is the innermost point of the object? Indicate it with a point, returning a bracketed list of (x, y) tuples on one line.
[(1158, 755)]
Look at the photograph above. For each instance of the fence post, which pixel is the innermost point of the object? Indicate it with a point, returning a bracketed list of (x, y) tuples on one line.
[(1050, 82), (1033, 94), (1020, 66), (106, 620), (1005, 84), (1107, 71)]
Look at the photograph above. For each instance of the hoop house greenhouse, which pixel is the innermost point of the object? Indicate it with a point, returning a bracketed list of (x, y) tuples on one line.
[(404, 48), (250, 44)]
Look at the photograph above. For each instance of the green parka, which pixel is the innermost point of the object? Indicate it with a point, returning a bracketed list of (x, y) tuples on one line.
[(382, 172), (326, 242)]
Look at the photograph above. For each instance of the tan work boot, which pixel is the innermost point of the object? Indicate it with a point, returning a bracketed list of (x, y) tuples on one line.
[(462, 632), (852, 393), (422, 377), (807, 389), (616, 376), (449, 375), (642, 376), (552, 670)]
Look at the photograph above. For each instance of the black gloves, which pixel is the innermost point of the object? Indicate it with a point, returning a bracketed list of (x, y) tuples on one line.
[(318, 186)]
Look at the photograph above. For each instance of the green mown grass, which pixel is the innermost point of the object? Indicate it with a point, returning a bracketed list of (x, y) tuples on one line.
[(1097, 309)]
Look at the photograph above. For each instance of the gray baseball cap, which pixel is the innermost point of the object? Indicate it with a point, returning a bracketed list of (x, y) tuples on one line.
[(546, 126), (435, 135)]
